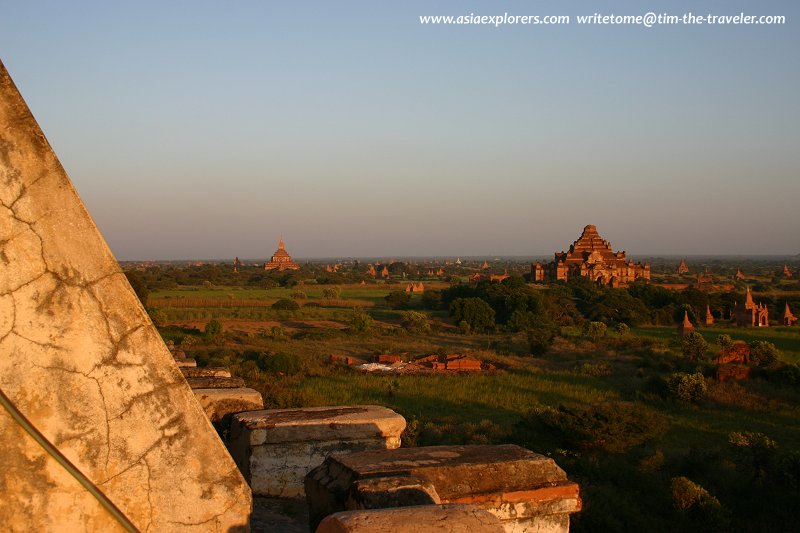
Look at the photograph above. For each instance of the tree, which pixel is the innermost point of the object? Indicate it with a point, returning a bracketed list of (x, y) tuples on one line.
[(398, 299), (285, 304), (415, 322), (213, 331), (476, 313), (763, 353), (360, 322), (138, 287), (596, 330), (694, 346), (432, 299), (540, 338), (688, 387), (331, 293), (724, 342)]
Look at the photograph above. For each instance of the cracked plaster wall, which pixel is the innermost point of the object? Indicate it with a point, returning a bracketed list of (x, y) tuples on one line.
[(81, 360)]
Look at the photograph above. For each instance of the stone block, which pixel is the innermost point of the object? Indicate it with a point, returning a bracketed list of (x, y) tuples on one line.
[(447, 518), (393, 491), (528, 492), (221, 403), (275, 449), (184, 363), (210, 382), (205, 372)]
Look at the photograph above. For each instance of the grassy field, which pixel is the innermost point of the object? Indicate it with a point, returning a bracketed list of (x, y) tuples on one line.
[(298, 367)]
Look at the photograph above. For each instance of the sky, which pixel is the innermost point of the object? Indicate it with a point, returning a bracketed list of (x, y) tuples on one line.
[(207, 130)]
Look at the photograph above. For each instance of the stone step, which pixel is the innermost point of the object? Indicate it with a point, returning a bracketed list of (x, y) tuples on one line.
[(210, 382), (525, 490), (183, 362), (220, 404), (205, 372), (276, 448)]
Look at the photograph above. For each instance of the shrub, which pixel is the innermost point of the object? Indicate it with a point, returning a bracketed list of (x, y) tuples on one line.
[(415, 322), (432, 299), (622, 329), (298, 295), (694, 346), (688, 387), (763, 353), (758, 450), (540, 338), (158, 316), (478, 315), (285, 304), (213, 331), (612, 426), (704, 510), (331, 293), (398, 299), (360, 322), (595, 330), (724, 342)]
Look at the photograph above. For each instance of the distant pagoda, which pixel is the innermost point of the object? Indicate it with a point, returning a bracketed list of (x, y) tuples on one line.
[(683, 268), (281, 260), (591, 256)]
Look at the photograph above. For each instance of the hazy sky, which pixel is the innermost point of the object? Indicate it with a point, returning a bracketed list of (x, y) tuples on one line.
[(209, 129)]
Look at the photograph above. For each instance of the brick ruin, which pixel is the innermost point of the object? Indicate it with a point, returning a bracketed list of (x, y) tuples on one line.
[(591, 256)]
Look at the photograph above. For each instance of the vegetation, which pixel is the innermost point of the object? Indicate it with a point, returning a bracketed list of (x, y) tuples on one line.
[(631, 411)]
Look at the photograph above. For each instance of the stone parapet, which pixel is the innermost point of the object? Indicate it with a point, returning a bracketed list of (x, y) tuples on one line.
[(276, 448), (528, 492)]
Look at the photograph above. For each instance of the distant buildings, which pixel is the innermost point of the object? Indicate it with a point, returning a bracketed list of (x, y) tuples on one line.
[(281, 260), (751, 314), (592, 257)]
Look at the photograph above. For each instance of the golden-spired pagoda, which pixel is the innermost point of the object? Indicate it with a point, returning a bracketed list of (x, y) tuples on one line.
[(281, 260), (592, 256)]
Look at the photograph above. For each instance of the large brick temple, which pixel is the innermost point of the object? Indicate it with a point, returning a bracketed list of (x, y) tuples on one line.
[(281, 260), (591, 256)]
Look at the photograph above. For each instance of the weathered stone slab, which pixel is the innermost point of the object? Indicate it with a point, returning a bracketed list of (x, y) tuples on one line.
[(447, 518), (275, 449), (205, 372), (394, 491), (82, 362), (210, 382), (220, 403), (185, 363), (527, 491)]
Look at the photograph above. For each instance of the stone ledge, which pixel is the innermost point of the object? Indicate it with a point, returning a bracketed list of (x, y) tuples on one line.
[(321, 424), (221, 403), (528, 492), (276, 448), (209, 382), (448, 518), (205, 372)]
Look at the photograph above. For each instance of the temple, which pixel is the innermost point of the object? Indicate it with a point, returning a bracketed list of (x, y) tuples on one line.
[(281, 260), (751, 314), (683, 268), (788, 317), (592, 256)]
